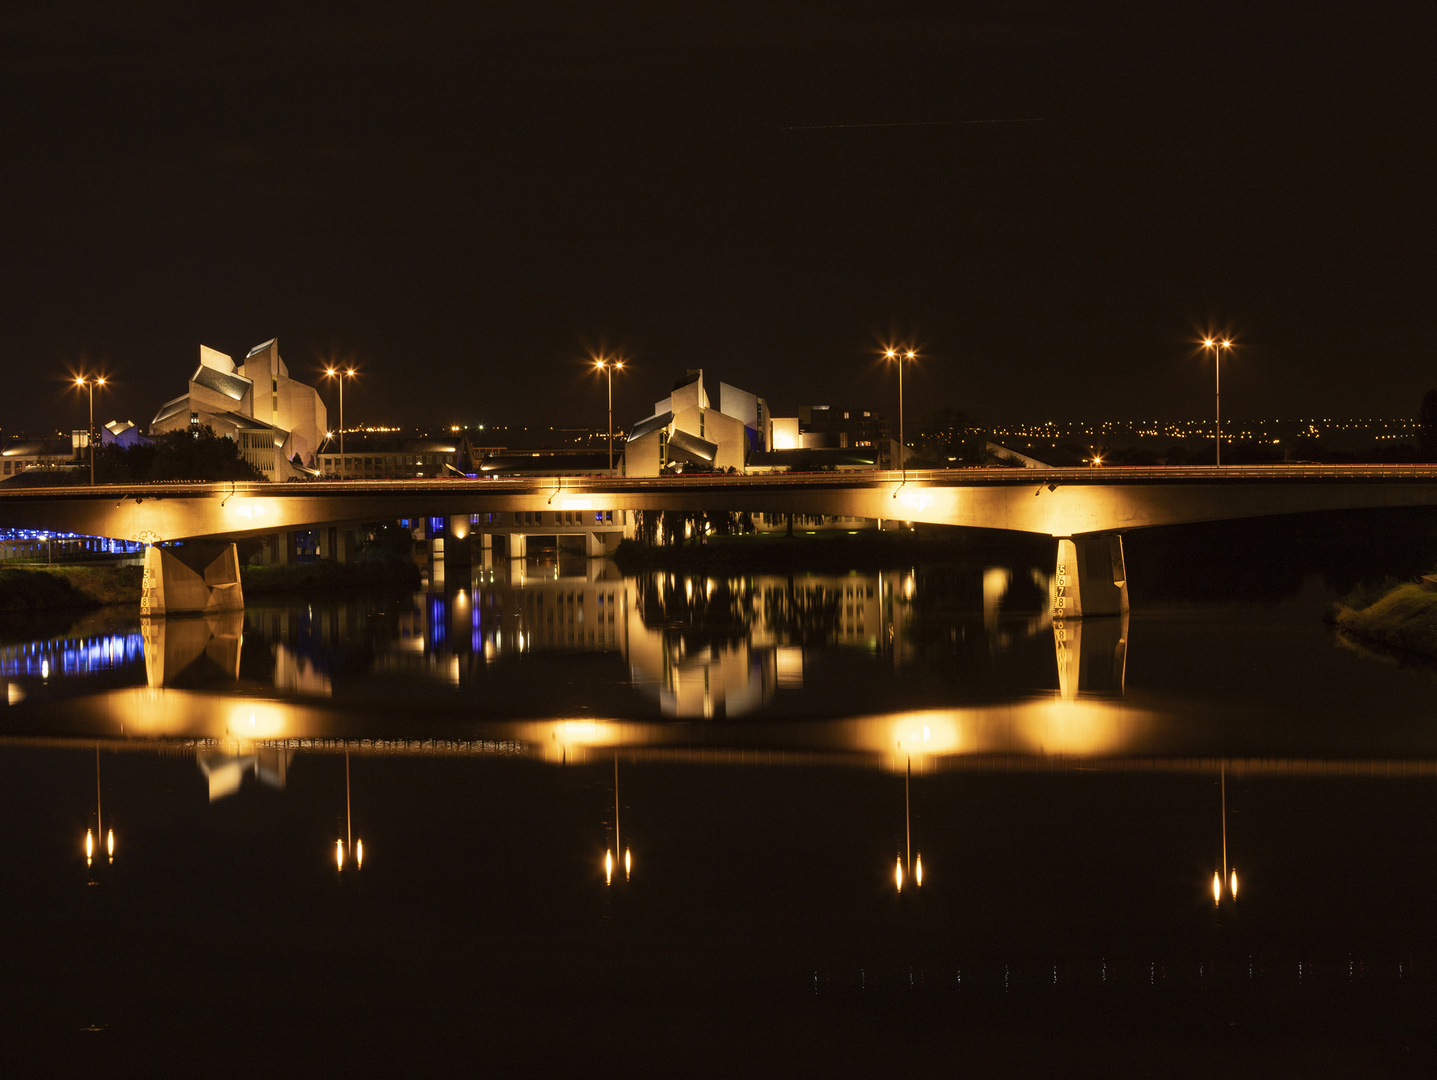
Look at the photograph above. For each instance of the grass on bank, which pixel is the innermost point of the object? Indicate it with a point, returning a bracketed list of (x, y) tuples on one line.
[(323, 576), (42, 589), (1403, 619), (54, 588)]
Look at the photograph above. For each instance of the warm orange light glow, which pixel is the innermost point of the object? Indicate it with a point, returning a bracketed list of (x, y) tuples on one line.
[(628, 863), (349, 371), (918, 871), (910, 354), (1216, 887), (1232, 885), (329, 371), (890, 353), (339, 854), (89, 845), (359, 854), (618, 365), (1207, 343), (898, 872), (79, 380), (110, 845), (608, 867), (100, 380)]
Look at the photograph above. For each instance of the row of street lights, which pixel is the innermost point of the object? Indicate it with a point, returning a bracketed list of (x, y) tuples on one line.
[(609, 365)]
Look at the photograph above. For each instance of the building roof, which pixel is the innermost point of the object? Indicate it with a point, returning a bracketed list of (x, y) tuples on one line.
[(231, 386), (172, 407), (699, 451), (653, 423)]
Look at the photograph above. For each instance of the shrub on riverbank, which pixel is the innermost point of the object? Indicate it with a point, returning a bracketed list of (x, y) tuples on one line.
[(1404, 619), (324, 576), (822, 552), (36, 589)]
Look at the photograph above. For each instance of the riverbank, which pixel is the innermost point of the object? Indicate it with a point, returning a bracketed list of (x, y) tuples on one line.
[(62, 587), (1403, 620), (81, 587), (831, 552)]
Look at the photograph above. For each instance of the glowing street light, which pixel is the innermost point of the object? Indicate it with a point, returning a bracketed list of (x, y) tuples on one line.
[(900, 357), (1217, 345), (89, 382), (341, 375), (608, 367)]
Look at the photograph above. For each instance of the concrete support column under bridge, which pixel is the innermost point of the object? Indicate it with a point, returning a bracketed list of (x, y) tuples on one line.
[(1091, 577)]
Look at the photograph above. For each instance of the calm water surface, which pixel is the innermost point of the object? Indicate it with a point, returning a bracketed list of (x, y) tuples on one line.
[(556, 817)]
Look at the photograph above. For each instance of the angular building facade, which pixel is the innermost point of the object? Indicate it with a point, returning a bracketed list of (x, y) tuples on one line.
[(686, 431), (270, 416)]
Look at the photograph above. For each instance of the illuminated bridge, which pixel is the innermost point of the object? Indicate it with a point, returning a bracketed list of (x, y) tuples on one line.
[(1086, 509)]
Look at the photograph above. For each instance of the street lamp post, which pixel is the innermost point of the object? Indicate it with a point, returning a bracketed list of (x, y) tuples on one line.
[(89, 382), (336, 373), (1217, 345), (901, 356), (608, 367)]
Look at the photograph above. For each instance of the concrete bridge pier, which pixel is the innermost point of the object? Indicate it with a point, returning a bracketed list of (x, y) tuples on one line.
[(189, 579), (279, 549), (1091, 577), (337, 544), (458, 544), (1092, 656), (518, 546)]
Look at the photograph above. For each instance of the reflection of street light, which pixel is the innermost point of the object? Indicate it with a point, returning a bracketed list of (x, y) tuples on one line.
[(89, 382), (349, 843), (609, 852), (1217, 345), (1229, 875), (900, 356), (336, 373), (608, 367), (909, 866), (99, 823)]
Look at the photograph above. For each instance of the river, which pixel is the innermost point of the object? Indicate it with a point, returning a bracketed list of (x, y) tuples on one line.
[(552, 817)]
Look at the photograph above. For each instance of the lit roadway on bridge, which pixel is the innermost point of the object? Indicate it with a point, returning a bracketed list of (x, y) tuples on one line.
[(1053, 502)]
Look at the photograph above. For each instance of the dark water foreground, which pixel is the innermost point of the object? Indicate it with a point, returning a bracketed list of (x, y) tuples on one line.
[(1069, 797)]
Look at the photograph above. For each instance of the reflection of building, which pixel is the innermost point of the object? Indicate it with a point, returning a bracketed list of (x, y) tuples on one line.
[(272, 417), (704, 647), (686, 431)]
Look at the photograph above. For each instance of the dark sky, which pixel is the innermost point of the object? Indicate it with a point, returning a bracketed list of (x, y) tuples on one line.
[(465, 198)]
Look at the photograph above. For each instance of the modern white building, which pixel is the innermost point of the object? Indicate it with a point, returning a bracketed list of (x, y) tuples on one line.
[(686, 431), (272, 417)]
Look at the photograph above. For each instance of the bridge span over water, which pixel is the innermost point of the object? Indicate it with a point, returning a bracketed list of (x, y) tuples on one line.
[(1086, 509)]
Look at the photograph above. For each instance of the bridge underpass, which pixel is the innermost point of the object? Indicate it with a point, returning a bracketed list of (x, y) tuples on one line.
[(1085, 510)]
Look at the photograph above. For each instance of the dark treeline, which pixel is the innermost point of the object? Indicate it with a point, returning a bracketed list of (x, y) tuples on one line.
[(198, 454)]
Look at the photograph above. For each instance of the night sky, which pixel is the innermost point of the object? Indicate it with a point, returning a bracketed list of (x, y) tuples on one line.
[(465, 199)]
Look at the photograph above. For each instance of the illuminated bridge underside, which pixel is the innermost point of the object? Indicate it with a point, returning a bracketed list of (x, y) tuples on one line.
[(1052, 502)]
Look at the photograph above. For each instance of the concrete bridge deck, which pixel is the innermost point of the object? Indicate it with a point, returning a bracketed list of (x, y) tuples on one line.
[(1087, 509), (1053, 502)]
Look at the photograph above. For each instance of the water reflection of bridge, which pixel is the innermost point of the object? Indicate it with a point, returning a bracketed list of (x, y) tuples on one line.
[(718, 649)]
